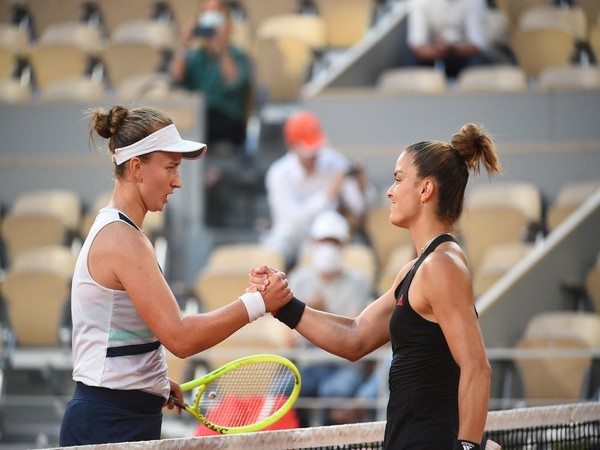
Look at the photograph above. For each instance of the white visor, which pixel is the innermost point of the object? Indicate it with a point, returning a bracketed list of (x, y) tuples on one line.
[(166, 139)]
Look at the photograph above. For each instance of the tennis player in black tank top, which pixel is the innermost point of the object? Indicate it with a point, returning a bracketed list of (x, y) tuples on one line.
[(423, 375), (440, 377)]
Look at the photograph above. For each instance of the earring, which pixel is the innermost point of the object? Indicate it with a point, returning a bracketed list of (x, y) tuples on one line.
[(423, 202)]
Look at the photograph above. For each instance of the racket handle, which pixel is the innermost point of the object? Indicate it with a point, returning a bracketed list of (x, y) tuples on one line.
[(176, 402), (491, 445)]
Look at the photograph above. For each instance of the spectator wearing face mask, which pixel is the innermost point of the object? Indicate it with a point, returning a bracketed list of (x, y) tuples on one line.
[(329, 286)]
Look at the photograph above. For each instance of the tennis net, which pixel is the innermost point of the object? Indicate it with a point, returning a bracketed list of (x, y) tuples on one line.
[(573, 426)]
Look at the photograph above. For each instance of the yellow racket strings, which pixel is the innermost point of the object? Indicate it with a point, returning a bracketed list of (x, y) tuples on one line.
[(246, 395)]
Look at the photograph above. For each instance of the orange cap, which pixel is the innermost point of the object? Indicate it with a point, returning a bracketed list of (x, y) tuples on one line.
[(303, 130)]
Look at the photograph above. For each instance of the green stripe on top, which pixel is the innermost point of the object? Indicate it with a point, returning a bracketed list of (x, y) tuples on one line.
[(129, 335)]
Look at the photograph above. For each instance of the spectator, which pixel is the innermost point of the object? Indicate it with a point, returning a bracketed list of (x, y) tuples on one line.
[(328, 286), (207, 62), (310, 178), (450, 33)]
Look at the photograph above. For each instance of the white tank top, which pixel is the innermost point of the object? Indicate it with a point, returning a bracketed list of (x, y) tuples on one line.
[(112, 346)]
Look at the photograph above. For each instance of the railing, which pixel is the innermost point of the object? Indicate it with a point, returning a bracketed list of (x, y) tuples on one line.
[(59, 359)]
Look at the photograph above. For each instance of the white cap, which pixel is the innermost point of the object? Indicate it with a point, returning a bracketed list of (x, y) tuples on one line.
[(332, 225), (166, 139)]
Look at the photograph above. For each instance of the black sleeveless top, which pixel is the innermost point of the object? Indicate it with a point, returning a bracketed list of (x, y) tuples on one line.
[(423, 405)]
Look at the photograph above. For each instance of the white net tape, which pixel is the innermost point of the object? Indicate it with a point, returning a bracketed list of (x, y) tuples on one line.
[(331, 436)]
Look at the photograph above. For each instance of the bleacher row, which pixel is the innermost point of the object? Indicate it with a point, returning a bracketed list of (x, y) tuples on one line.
[(111, 47), (107, 48), (550, 45)]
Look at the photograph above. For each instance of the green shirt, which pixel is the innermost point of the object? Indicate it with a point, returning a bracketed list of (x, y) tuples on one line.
[(203, 73)]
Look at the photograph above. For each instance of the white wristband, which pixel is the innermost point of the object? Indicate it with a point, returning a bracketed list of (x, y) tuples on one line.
[(255, 305)]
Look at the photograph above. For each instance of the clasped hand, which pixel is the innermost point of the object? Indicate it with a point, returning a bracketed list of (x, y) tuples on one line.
[(273, 286)]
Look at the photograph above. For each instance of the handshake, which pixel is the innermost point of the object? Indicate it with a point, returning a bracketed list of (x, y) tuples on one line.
[(268, 291)]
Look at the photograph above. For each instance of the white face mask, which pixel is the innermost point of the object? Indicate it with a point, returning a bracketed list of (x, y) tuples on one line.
[(327, 257)]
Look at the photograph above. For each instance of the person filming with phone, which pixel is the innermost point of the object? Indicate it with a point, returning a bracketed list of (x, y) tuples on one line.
[(208, 62)]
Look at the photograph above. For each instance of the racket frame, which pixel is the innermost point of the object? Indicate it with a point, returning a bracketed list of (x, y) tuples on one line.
[(204, 382)]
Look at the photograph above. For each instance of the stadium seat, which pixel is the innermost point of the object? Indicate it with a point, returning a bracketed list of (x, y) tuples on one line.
[(571, 20), (22, 231), (362, 258), (309, 28), (6, 12), (87, 37), (592, 285), (569, 198), (41, 218), (116, 12), (14, 91), (514, 8), (498, 260), (145, 86), (43, 59), (60, 259), (216, 287), (591, 9), (258, 10), (412, 80), (64, 204), (493, 78), (35, 303), (243, 257), (8, 63), (558, 377), (346, 21), (225, 274), (36, 290), (158, 34), (498, 214), (281, 67), (570, 77), (74, 89), (14, 38), (537, 49), (45, 13), (595, 39), (383, 236), (124, 60), (355, 256)]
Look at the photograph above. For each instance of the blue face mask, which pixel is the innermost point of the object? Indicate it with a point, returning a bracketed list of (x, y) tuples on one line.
[(208, 23)]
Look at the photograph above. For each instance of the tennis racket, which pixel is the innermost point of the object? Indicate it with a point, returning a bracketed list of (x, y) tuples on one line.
[(245, 395)]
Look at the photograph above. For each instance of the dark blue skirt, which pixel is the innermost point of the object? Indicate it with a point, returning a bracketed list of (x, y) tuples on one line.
[(100, 416)]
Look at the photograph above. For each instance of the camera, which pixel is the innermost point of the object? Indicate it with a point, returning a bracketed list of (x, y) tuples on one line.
[(204, 31), (352, 171)]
